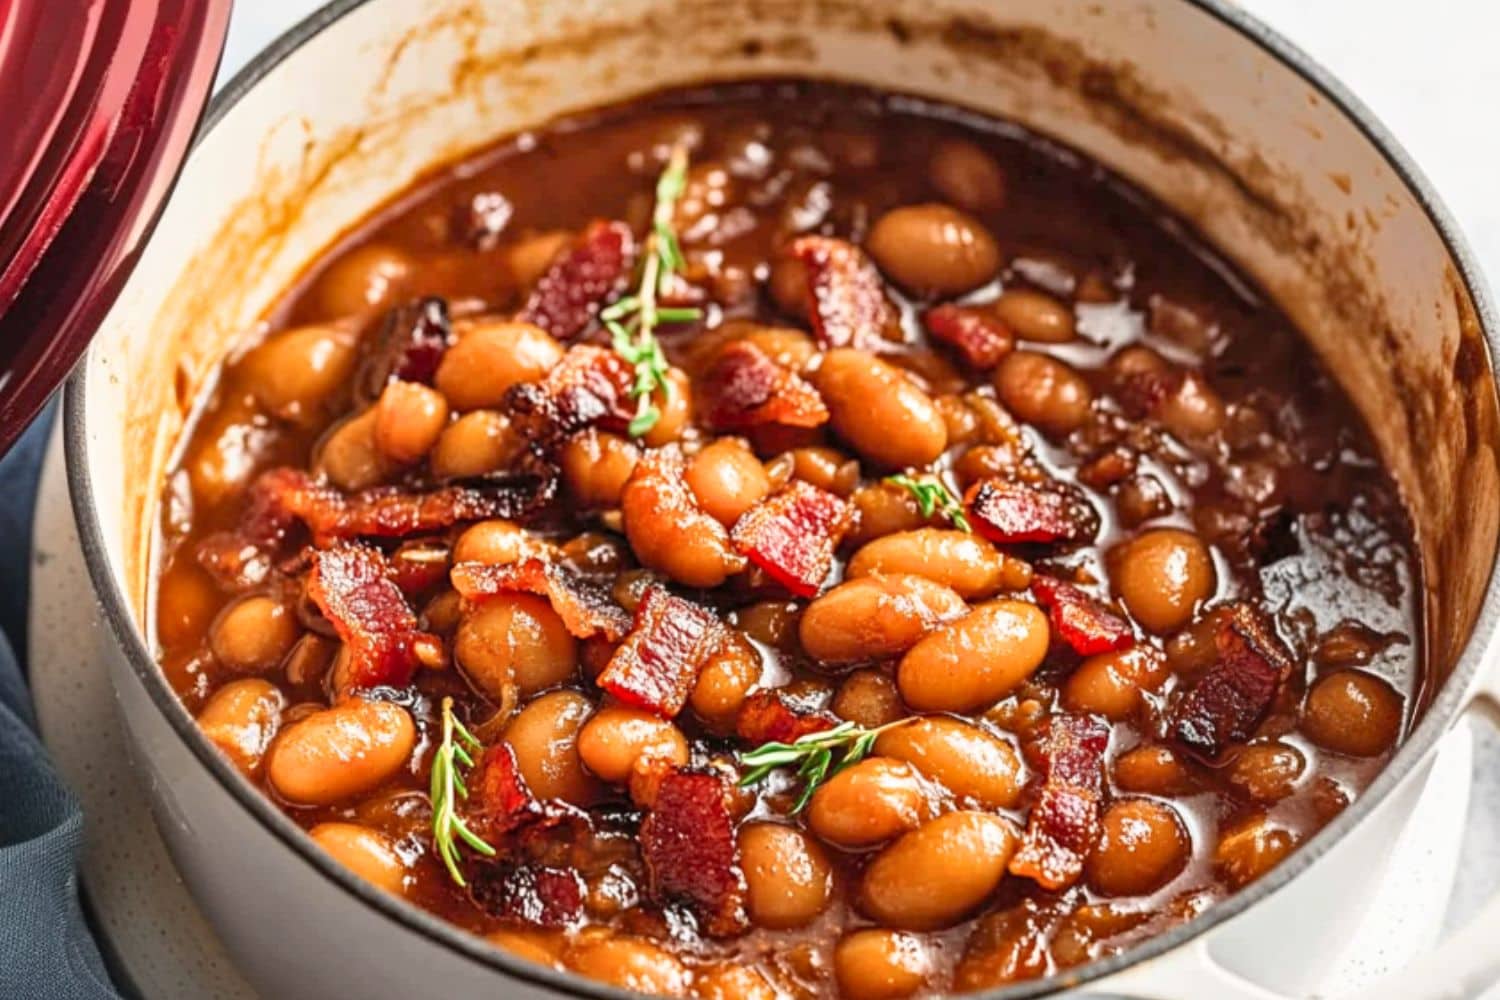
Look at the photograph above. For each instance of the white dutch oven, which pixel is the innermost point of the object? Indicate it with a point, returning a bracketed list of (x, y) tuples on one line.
[(1191, 100)]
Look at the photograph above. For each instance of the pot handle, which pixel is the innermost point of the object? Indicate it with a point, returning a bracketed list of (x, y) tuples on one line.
[(1186, 973)]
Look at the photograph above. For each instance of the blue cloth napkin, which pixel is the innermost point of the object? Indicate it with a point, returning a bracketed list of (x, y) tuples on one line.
[(46, 950)]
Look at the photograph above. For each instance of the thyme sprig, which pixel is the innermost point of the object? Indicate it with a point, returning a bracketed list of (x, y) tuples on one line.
[(933, 497), (813, 755), (448, 827), (632, 320)]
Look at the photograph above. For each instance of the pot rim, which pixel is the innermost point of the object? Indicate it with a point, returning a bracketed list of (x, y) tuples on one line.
[(1434, 723)]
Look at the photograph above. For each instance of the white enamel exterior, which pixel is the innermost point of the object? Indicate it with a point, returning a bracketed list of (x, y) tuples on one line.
[(395, 86)]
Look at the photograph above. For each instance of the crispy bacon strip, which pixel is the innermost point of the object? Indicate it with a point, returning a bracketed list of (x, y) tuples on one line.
[(499, 800), (539, 895), (1079, 619), (409, 346), (591, 385), (670, 642), (978, 335), (567, 296), (792, 533), (1064, 821), (688, 845), (847, 300), (744, 388), (351, 585), (1007, 511), (1231, 699), (586, 609), (772, 717)]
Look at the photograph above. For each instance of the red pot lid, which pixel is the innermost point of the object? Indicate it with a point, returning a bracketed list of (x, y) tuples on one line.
[(103, 100)]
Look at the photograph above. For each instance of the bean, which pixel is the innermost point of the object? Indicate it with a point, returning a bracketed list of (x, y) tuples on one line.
[(732, 982), (1250, 848), (630, 963), (475, 444), (529, 257), (1043, 391), (672, 536), (975, 661), (1266, 772), (409, 418), (241, 719), (368, 277), (515, 643), (366, 852), (533, 946), (934, 875), (1193, 411), (788, 880), (675, 410), (1110, 684), (1035, 316), (826, 468), (615, 737), (868, 698), (966, 175), (1162, 576), (724, 682), (877, 410), (965, 563), (868, 803), (253, 635), (876, 617), (1352, 712), (339, 753), (595, 466), (786, 346), (295, 374), (975, 766), (186, 602), (544, 736), (879, 964), (771, 622), (349, 456), (933, 250), (495, 542), (1142, 846), (1154, 770), (884, 509), (489, 358), (727, 479), (788, 286)]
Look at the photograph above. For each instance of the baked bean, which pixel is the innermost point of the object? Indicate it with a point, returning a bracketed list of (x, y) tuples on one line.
[(1142, 846), (253, 635), (534, 946), (933, 250), (966, 175), (875, 617), (868, 803), (1250, 848), (959, 418), (771, 622), (877, 410), (788, 286), (1192, 411), (1162, 576), (515, 644), (595, 466), (884, 509), (1035, 316), (615, 736), (1352, 712), (371, 276), (671, 536), (630, 963), (826, 468), (868, 698), (1266, 772), (529, 257), (727, 479), (475, 444), (490, 357), (675, 408), (732, 982), (409, 417), (961, 561), (186, 602), (877, 964), (787, 876), (934, 875), (975, 766), (784, 345), (976, 660), (349, 456), (495, 542), (337, 753), (544, 736), (295, 374), (241, 719), (725, 681), (1110, 684), (1043, 391), (366, 852), (1153, 770), (1141, 498)]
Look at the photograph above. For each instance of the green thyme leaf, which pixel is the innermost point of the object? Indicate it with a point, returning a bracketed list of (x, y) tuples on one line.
[(813, 756), (448, 788), (933, 497)]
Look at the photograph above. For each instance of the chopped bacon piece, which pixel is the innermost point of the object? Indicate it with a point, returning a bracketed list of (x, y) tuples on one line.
[(657, 665), (539, 895), (586, 609), (409, 346), (688, 845), (1081, 620), (980, 337), (772, 717), (847, 300), (352, 586), (1064, 820), (567, 296), (792, 533), (1232, 698), (591, 385), (745, 388), (499, 800), (1008, 511)]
